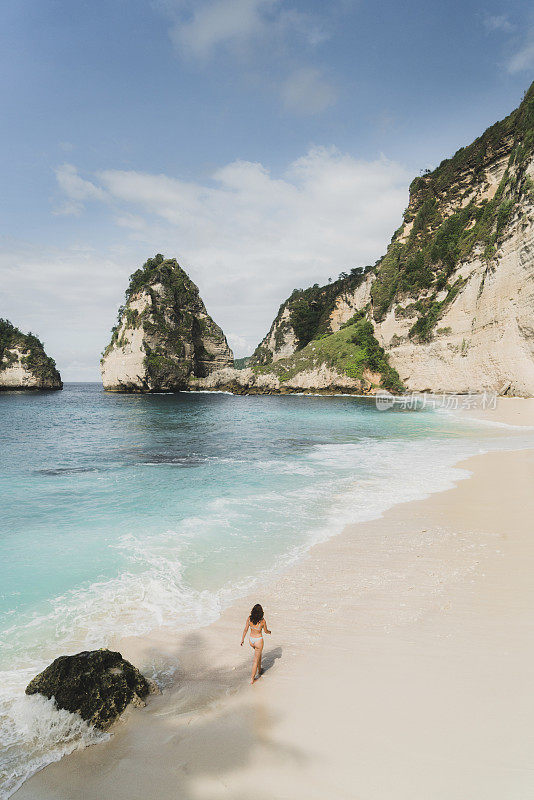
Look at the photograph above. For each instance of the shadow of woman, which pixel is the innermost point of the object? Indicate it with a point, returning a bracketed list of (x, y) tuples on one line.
[(270, 657)]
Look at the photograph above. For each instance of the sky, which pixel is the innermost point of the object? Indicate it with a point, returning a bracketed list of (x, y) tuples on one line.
[(265, 144)]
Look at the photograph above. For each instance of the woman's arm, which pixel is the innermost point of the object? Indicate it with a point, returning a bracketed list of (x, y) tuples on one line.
[(265, 628), (247, 623)]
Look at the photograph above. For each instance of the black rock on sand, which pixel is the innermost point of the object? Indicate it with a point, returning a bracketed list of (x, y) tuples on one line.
[(96, 684)]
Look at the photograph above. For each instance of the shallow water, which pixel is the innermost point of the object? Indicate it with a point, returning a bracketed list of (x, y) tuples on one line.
[(121, 513)]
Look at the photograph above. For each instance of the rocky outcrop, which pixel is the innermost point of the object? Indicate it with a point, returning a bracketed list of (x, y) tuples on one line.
[(98, 685), (320, 379), (23, 361), (280, 342), (451, 301), (164, 337), (348, 361)]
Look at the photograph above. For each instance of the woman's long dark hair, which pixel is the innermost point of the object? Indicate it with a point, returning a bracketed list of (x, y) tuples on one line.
[(256, 615)]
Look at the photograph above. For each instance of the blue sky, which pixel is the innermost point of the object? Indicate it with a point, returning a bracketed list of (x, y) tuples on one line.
[(267, 144)]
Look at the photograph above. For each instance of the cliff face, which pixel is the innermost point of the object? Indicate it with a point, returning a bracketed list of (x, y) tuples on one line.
[(350, 360), (23, 361), (452, 300), (310, 313), (453, 297), (164, 337)]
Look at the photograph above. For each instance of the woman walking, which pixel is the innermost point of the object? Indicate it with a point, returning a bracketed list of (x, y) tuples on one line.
[(256, 623)]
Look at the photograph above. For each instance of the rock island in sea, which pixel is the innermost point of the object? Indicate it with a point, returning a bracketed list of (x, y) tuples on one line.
[(164, 337), (23, 361)]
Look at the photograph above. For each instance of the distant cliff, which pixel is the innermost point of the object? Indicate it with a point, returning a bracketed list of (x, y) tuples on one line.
[(164, 337), (23, 361), (451, 302)]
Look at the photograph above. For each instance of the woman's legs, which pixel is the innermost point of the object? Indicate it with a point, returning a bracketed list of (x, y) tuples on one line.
[(256, 663)]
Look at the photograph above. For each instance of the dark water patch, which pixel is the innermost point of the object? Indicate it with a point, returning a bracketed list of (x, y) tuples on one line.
[(65, 470), (160, 459)]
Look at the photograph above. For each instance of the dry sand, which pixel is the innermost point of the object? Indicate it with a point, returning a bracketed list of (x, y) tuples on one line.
[(399, 668)]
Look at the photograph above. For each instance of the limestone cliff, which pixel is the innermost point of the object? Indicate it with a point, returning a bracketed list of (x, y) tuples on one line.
[(351, 360), (23, 361), (164, 337), (452, 300)]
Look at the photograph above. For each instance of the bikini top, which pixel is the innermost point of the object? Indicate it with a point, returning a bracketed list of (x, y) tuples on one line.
[(256, 628)]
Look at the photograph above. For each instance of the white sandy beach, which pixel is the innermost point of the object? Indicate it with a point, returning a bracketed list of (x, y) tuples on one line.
[(399, 668)]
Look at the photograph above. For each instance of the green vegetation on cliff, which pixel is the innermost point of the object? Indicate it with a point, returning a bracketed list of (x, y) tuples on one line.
[(310, 310), (166, 271), (449, 219), (350, 351), (178, 287), (34, 357)]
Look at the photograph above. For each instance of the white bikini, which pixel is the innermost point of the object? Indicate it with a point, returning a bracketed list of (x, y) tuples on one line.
[(254, 639)]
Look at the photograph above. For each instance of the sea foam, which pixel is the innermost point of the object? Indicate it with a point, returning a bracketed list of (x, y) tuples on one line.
[(34, 732)]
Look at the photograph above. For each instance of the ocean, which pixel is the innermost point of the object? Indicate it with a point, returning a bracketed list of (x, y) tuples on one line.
[(123, 513)]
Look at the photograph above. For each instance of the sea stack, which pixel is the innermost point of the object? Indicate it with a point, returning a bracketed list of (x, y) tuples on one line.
[(23, 361), (164, 337)]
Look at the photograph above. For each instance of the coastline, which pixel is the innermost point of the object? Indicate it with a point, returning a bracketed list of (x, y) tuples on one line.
[(408, 680)]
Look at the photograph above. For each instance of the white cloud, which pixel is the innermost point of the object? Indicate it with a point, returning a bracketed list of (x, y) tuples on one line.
[(309, 29), (520, 46), (131, 221), (76, 189), (246, 237), (240, 346), (523, 58), (199, 31), (199, 28), (499, 22), (306, 91), (267, 35)]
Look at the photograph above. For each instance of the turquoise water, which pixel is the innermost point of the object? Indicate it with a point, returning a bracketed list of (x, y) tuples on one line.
[(121, 513)]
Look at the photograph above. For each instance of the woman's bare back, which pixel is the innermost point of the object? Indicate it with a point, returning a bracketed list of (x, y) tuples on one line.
[(256, 630)]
